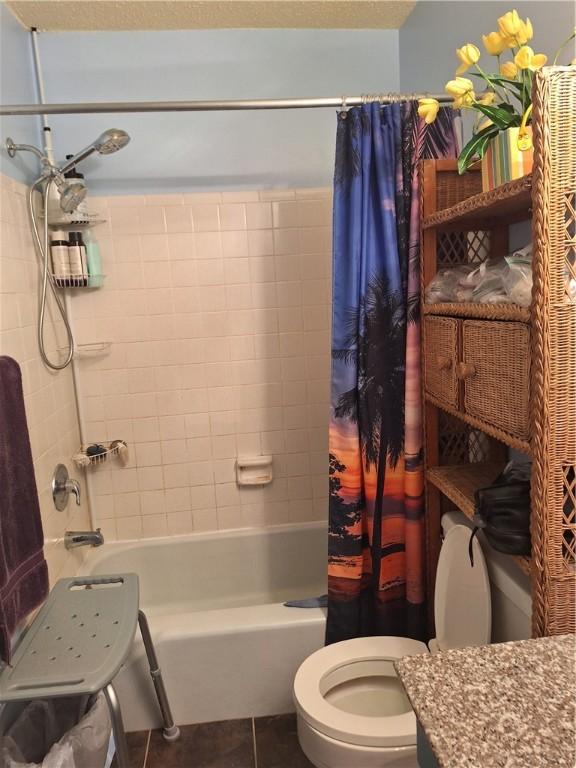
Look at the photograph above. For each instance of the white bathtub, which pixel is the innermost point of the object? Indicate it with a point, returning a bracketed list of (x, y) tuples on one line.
[(227, 646)]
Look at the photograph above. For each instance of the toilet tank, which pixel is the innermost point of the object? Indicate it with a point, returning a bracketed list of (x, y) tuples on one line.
[(509, 588)]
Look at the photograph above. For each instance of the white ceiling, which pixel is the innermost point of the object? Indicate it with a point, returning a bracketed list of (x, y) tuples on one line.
[(87, 15)]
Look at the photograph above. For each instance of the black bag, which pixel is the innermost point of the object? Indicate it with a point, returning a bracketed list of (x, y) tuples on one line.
[(503, 511)]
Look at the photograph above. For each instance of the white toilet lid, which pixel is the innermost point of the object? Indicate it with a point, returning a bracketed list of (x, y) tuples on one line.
[(462, 605), (320, 714)]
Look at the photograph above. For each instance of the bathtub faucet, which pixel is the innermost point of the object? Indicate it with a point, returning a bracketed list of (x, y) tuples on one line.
[(74, 539)]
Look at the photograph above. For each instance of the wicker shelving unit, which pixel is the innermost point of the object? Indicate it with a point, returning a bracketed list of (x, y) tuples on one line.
[(501, 376), (460, 483)]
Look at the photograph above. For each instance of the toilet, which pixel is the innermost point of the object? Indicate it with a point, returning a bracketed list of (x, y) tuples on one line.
[(351, 707)]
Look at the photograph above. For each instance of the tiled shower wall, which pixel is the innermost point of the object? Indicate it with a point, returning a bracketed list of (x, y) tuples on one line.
[(49, 396), (218, 310)]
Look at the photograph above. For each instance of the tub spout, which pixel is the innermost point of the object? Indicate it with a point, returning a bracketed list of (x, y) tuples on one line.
[(74, 539)]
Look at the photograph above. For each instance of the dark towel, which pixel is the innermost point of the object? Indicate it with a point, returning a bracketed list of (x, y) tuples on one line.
[(23, 569)]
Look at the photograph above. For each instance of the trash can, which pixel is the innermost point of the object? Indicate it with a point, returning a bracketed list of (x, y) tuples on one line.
[(57, 733)]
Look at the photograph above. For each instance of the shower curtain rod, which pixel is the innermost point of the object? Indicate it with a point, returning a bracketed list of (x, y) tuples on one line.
[(210, 106)]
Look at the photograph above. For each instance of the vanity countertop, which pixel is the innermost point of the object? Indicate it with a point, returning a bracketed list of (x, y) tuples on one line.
[(508, 705)]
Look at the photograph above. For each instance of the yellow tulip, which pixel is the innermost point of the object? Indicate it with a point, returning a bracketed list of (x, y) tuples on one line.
[(512, 27), (464, 101), (573, 63), (494, 43), (428, 109), (468, 56), (487, 98), (509, 69), (526, 32), (527, 59), (459, 86)]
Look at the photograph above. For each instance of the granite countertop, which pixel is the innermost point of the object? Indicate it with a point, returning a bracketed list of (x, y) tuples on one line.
[(508, 705)]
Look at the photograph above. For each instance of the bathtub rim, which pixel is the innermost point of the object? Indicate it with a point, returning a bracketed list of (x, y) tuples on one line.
[(95, 555)]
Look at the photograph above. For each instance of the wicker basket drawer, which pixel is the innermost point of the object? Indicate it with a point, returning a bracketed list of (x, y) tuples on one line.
[(495, 369), (441, 339)]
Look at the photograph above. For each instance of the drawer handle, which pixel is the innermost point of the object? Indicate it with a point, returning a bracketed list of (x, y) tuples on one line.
[(465, 370), (443, 363)]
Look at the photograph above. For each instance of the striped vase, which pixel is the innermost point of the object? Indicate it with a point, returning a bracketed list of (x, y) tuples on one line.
[(504, 161)]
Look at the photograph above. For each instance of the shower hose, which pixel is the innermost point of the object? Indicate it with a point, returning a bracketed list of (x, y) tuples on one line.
[(43, 250)]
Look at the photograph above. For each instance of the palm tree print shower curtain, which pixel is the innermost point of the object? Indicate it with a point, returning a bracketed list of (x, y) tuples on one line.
[(376, 522)]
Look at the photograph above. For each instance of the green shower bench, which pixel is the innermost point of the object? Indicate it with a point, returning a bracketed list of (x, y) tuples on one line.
[(77, 644)]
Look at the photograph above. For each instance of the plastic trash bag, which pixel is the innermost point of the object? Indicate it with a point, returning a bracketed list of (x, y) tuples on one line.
[(490, 287), (518, 278), (445, 284), (48, 734)]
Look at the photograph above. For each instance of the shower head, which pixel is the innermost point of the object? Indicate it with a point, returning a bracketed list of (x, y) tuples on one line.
[(110, 141), (71, 194)]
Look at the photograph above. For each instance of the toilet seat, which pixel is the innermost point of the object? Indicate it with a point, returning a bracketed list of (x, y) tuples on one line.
[(347, 661)]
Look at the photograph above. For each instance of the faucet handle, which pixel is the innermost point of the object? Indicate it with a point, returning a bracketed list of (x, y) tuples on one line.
[(73, 486), (62, 486)]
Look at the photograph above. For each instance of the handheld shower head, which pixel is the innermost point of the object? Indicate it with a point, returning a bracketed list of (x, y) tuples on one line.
[(110, 141)]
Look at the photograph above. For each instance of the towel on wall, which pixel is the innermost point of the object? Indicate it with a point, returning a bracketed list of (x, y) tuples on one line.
[(23, 569)]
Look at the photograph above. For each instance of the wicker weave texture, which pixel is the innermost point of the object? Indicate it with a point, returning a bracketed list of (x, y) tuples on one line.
[(499, 434), (441, 350), (454, 248), (497, 389), (515, 194), (554, 353), (460, 483), (451, 188), (459, 443), (479, 311)]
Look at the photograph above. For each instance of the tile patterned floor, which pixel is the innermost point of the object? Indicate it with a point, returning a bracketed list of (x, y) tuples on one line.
[(265, 742)]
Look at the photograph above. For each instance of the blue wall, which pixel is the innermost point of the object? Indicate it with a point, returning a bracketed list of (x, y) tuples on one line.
[(16, 87), (171, 152), (434, 30)]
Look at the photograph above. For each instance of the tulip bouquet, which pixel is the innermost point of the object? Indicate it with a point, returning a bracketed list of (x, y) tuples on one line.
[(506, 100)]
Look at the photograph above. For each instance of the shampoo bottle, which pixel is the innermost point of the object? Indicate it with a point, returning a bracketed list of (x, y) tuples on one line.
[(75, 255), (60, 257)]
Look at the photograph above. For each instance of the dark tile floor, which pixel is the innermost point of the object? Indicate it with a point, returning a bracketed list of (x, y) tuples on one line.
[(265, 742)]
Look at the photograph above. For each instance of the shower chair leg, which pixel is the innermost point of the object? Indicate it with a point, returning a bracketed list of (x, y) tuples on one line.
[(117, 726), (170, 731)]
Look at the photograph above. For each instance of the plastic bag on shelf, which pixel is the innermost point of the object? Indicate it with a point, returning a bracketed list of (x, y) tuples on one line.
[(490, 288), (54, 733), (518, 277), (445, 284)]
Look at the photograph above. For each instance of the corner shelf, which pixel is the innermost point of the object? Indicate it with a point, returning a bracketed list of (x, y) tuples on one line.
[(460, 483), (115, 448), (508, 203), (78, 281), (75, 226)]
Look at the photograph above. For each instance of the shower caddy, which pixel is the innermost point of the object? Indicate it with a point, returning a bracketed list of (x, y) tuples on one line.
[(499, 375)]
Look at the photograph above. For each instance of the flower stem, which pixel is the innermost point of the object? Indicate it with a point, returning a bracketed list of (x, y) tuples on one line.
[(564, 44), (492, 85)]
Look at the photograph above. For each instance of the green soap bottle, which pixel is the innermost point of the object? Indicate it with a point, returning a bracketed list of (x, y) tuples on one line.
[(94, 261)]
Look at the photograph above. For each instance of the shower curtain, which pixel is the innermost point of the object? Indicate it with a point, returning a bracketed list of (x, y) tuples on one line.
[(376, 574)]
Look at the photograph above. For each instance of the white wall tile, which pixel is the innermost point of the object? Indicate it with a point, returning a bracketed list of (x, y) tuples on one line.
[(259, 216), (218, 306), (205, 217), (232, 216), (178, 218)]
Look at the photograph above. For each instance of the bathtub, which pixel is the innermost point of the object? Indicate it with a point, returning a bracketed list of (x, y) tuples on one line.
[(227, 646)]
